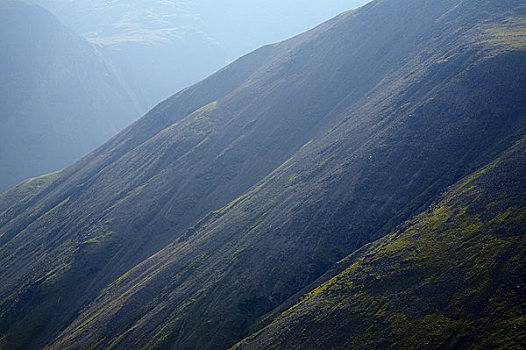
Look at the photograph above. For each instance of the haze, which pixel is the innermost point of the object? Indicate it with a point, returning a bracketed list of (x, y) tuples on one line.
[(164, 46)]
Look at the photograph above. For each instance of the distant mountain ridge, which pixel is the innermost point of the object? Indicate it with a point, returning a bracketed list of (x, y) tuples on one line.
[(59, 98), (163, 46), (199, 224)]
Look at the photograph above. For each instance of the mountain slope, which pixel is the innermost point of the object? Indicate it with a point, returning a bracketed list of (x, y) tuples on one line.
[(450, 278), (58, 98), (251, 184), (377, 166)]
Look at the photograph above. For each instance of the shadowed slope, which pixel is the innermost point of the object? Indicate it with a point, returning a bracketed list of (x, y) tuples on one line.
[(449, 100), (193, 153)]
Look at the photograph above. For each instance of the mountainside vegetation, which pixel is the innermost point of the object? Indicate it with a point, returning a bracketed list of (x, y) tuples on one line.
[(451, 278), (365, 139), (59, 97)]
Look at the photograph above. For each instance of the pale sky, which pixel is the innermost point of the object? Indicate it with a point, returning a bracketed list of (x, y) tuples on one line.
[(243, 26)]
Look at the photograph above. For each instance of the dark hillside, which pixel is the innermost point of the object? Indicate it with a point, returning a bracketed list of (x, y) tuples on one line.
[(232, 196)]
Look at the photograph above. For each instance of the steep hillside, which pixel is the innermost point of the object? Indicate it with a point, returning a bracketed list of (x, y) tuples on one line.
[(235, 194), (59, 99), (451, 278)]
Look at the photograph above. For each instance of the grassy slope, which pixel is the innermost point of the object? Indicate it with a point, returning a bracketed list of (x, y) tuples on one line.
[(140, 190), (336, 193), (416, 121), (67, 228), (450, 278)]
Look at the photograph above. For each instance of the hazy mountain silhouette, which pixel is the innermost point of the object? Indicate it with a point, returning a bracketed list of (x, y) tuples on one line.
[(59, 98), (197, 225), (164, 46)]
